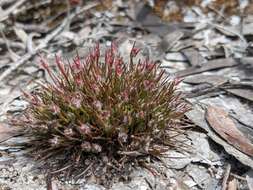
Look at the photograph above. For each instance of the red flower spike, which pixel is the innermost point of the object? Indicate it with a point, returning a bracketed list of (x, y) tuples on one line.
[(77, 66), (114, 47), (61, 68), (78, 80), (97, 53), (46, 67), (109, 57), (118, 66)]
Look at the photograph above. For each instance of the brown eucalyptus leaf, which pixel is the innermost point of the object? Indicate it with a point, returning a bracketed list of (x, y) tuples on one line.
[(219, 120), (197, 115)]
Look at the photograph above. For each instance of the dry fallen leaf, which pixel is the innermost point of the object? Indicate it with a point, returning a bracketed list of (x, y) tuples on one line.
[(219, 120), (210, 65)]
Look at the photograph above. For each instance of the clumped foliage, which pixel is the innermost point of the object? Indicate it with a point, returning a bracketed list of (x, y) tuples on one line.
[(103, 108)]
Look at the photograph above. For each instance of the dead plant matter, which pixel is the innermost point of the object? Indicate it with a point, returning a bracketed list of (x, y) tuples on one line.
[(103, 108)]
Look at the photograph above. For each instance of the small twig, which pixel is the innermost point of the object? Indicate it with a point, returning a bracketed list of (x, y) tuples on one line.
[(13, 44), (44, 42), (83, 172), (114, 167), (39, 28), (14, 57), (11, 9), (225, 177), (29, 55), (216, 11), (62, 169), (131, 153), (238, 177), (29, 42)]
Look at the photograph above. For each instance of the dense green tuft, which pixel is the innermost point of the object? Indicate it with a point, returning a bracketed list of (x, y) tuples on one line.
[(103, 107)]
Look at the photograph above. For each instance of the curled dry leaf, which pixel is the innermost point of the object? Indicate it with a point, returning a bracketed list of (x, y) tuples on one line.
[(219, 120)]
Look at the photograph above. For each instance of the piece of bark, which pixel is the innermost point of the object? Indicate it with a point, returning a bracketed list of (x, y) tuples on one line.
[(219, 120)]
